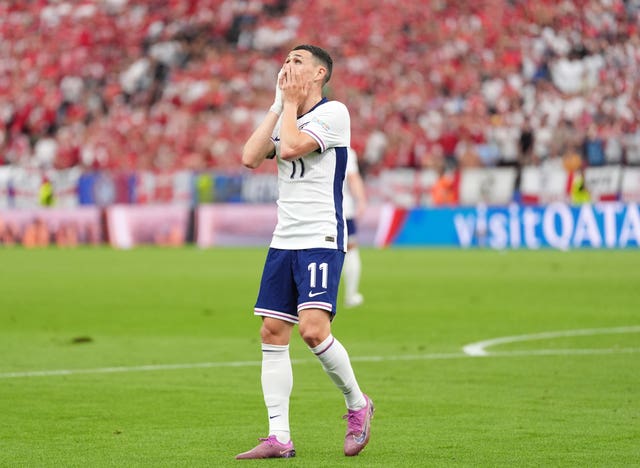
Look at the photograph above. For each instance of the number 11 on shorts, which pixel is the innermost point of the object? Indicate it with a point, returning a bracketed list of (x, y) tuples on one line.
[(313, 273)]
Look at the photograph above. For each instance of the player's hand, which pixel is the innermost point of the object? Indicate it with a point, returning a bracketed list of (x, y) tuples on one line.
[(294, 86), (278, 102)]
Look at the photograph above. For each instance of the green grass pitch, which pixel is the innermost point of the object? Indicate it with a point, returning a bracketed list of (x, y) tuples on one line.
[(150, 357)]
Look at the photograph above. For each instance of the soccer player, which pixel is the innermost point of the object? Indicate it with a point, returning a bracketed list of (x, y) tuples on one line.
[(309, 135), (355, 202)]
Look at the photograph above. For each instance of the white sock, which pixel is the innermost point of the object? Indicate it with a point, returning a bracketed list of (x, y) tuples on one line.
[(351, 271), (335, 362), (277, 382)]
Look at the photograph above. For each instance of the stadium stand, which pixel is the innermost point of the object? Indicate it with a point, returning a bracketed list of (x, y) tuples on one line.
[(177, 85)]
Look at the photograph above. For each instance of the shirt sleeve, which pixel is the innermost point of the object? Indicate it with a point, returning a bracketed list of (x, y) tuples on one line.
[(330, 126), (275, 138)]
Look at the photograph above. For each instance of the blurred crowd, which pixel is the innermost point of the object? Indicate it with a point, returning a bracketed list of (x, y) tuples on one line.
[(169, 84)]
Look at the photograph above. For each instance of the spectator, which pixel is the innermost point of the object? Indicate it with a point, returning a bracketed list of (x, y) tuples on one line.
[(631, 144), (466, 152), (542, 140), (579, 191), (36, 234), (46, 192), (8, 233), (593, 147), (443, 191), (125, 80), (525, 145), (613, 151)]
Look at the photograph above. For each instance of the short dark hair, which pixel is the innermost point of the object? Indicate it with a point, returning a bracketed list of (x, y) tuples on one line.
[(321, 55)]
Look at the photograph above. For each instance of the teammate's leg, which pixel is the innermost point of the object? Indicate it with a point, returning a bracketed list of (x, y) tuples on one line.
[(352, 268), (351, 273)]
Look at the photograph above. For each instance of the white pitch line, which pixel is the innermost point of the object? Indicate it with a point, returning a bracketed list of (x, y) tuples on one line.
[(480, 348), (209, 365), (407, 357), (114, 370), (564, 352)]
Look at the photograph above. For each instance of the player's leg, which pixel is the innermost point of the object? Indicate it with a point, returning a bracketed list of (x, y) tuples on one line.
[(277, 375), (352, 268), (317, 279), (276, 304), (315, 328)]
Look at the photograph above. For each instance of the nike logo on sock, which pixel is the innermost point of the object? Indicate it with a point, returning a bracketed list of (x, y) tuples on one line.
[(273, 417)]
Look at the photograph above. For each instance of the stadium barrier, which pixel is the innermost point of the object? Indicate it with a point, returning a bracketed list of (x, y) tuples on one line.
[(235, 224), (41, 227), (231, 224), (132, 225), (514, 226), (225, 209), (537, 185), (556, 225)]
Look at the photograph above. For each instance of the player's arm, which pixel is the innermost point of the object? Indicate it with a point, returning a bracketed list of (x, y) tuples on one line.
[(259, 146), (294, 143), (356, 186)]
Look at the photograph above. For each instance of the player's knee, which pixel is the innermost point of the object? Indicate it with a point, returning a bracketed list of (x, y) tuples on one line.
[(314, 326), (274, 332), (266, 335), (313, 334)]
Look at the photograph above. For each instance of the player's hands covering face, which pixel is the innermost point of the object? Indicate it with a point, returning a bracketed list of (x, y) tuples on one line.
[(294, 83)]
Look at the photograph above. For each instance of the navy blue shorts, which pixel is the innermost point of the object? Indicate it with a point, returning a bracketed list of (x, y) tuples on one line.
[(293, 280)]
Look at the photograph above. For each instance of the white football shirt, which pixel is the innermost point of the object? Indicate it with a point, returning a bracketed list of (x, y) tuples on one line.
[(349, 201), (310, 189)]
